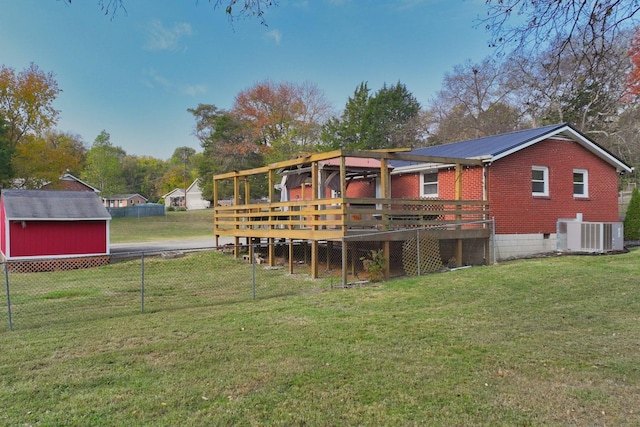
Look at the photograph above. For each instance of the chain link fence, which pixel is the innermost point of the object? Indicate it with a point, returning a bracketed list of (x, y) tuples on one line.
[(136, 283)]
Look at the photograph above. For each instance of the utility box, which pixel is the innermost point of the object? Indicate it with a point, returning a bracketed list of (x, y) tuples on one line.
[(596, 237)]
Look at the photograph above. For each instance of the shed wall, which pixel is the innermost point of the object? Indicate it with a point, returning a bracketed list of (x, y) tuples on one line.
[(57, 238)]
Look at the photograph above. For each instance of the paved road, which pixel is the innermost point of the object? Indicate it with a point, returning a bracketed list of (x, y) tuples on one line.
[(168, 245)]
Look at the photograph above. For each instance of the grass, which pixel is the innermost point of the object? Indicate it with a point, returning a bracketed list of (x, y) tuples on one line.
[(174, 225), (550, 341)]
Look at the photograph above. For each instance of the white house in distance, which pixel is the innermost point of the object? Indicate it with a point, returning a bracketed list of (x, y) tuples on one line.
[(194, 200)]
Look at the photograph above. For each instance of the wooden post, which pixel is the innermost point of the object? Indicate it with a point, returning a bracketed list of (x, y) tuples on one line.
[(458, 196), (271, 261), (215, 210), (385, 190), (488, 249), (315, 217), (236, 202)]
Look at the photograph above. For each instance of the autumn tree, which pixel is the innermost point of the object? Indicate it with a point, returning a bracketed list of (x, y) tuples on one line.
[(103, 167), (227, 145), (26, 101), (284, 118), (476, 100), (39, 160), (386, 119), (633, 79)]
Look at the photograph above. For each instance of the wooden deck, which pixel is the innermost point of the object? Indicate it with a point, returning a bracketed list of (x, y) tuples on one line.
[(333, 219), (315, 218)]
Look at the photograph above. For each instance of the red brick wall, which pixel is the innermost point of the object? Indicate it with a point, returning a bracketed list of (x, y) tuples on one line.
[(517, 211), (405, 186)]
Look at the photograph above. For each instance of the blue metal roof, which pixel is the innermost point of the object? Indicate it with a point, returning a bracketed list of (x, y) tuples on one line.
[(489, 146)]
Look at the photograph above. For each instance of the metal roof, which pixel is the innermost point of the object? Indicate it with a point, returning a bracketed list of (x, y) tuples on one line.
[(53, 205), (492, 148)]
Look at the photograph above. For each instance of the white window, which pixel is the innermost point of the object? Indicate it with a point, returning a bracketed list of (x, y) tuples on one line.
[(539, 181), (429, 184), (580, 183)]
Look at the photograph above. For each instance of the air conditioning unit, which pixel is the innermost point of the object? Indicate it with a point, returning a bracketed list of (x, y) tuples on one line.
[(580, 236)]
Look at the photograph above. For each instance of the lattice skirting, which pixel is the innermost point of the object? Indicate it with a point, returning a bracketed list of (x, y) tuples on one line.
[(57, 264), (426, 256)]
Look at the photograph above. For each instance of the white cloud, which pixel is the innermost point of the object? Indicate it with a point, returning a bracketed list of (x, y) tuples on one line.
[(153, 80), (160, 37), (275, 35), (193, 90)]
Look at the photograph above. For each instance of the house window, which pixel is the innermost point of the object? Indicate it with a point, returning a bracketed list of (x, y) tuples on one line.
[(580, 183), (429, 187), (539, 181)]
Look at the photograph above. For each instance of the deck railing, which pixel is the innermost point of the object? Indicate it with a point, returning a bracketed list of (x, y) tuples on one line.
[(345, 215)]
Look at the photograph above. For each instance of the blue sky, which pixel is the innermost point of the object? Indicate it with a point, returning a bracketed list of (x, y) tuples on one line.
[(135, 75)]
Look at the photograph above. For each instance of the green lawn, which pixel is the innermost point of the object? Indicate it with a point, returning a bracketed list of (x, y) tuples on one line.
[(174, 225), (540, 342)]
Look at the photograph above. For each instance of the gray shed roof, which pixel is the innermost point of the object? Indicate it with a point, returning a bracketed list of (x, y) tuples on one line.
[(492, 148), (53, 205)]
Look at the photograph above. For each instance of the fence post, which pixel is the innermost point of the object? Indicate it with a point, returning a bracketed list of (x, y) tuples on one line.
[(253, 271), (6, 281), (142, 283), (418, 251)]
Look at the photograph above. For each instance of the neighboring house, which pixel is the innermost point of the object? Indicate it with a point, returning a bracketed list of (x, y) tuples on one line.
[(70, 183), (124, 200), (194, 200), (534, 177), (36, 224)]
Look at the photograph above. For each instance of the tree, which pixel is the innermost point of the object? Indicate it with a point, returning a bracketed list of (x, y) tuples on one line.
[(227, 145), (348, 130), (284, 118), (39, 160), (143, 175), (103, 167), (633, 80), (476, 100), (588, 91), (632, 218), (387, 119), (233, 8), (26, 101), (572, 24), (6, 153), (390, 119)]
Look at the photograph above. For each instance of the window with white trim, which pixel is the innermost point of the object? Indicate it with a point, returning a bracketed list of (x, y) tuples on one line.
[(429, 184), (580, 183), (539, 181)]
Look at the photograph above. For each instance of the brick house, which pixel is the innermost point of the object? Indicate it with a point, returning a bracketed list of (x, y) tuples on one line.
[(70, 183), (124, 200), (533, 178)]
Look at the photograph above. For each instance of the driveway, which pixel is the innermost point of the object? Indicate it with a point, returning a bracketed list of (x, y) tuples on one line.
[(168, 245)]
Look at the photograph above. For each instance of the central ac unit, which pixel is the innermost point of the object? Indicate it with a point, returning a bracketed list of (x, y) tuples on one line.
[(580, 236)]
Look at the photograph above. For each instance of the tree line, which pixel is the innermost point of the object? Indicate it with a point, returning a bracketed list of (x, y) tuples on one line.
[(576, 62)]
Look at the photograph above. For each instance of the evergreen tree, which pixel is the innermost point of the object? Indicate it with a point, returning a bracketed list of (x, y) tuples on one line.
[(632, 218)]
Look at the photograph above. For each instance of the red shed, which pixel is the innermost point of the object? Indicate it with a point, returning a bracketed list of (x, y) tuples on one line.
[(36, 224)]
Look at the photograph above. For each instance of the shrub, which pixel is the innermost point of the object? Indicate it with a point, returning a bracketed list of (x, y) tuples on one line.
[(374, 266), (632, 218)]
